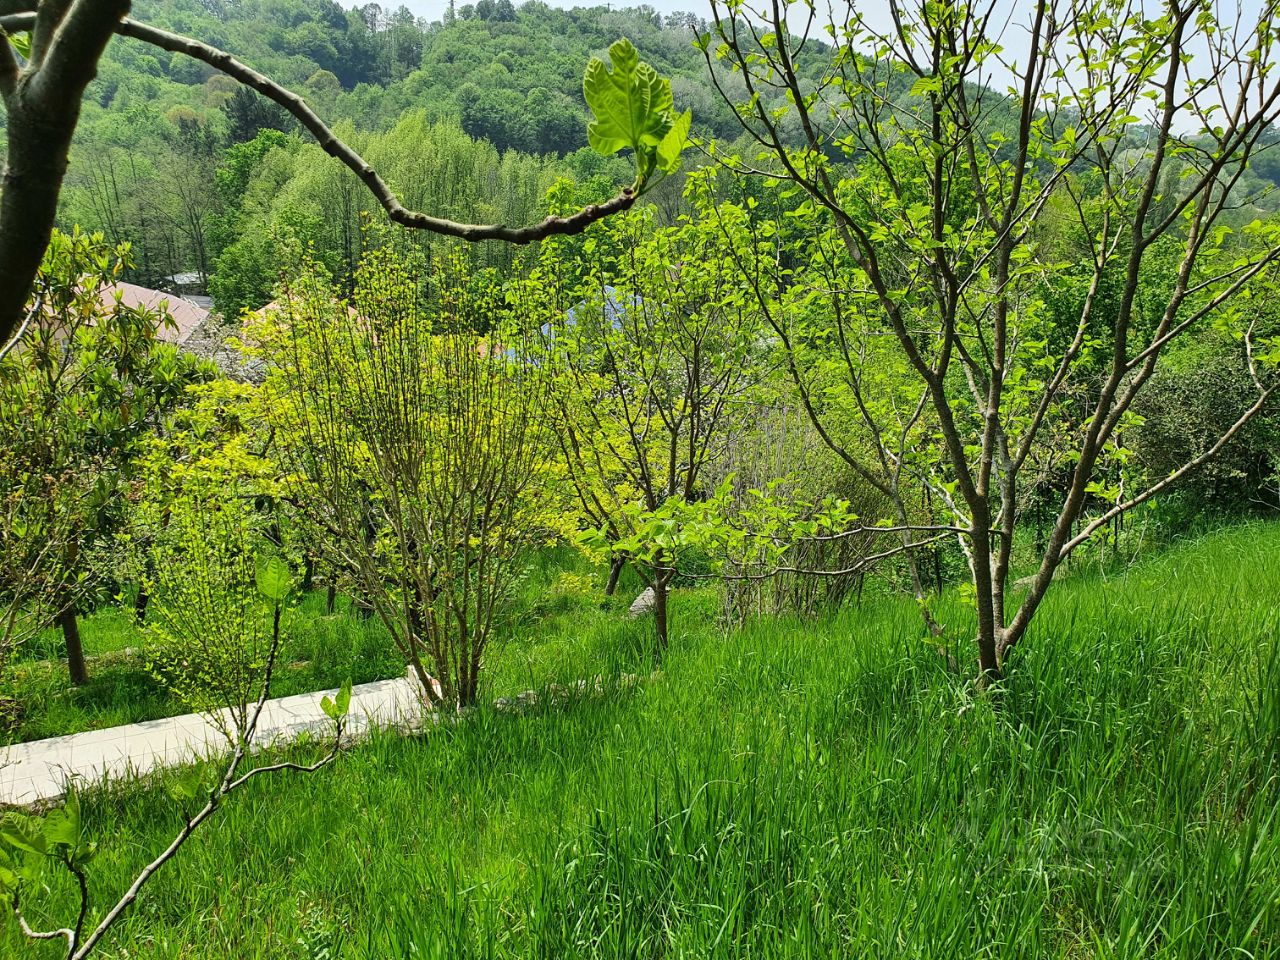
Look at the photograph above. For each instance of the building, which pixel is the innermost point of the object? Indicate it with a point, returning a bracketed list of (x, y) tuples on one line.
[(187, 316)]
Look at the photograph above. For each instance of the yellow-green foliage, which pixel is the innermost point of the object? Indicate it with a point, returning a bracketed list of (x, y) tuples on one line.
[(210, 633), (409, 425)]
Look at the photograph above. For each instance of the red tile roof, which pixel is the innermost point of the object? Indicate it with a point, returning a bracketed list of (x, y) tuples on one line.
[(186, 315)]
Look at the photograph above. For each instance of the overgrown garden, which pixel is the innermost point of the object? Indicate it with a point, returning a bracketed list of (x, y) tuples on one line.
[(922, 399)]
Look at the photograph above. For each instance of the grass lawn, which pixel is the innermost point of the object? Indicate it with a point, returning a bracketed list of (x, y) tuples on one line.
[(558, 599), (321, 651), (793, 789)]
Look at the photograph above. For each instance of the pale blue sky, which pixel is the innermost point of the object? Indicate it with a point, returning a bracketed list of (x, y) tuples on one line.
[(433, 9)]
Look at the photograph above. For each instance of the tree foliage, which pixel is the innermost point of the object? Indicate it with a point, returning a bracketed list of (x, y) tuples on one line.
[(410, 435), (656, 347), (79, 397), (935, 251)]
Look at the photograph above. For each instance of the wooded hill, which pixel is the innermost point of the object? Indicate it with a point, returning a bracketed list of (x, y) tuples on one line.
[(475, 115), (184, 164)]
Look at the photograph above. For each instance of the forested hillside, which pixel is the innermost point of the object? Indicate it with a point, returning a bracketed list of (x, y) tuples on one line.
[(201, 175)]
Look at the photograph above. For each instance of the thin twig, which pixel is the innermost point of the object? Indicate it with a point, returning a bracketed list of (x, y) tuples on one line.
[(26, 322)]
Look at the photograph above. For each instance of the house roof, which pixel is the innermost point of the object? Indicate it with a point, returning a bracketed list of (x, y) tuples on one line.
[(186, 315)]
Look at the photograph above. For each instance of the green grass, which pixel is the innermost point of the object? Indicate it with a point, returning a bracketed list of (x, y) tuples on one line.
[(820, 789), (320, 651), (558, 614)]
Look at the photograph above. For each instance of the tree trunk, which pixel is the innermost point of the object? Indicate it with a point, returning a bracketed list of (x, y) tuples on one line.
[(985, 595), (76, 666), (308, 574), (615, 572), (988, 656), (469, 689), (419, 670), (36, 164), (43, 110), (660, 615)]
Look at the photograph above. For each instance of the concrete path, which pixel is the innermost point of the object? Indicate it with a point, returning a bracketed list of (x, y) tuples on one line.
[(38, 772)]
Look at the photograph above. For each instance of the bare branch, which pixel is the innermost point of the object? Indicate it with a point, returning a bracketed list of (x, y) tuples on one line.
[(9, 68), (51, 15), (67, 58), (66, 932), (864, 564), (1101, 521), (226, 786), (26, 322)]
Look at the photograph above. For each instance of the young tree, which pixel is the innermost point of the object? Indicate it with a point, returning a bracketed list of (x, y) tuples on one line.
[(654, 343), (212, 631), (409, 426), (1024, 257), (40, 514), (210, 443), (91, 372), (223, 593), (43, 78)]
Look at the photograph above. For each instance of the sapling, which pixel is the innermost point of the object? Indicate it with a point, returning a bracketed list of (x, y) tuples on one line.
[(240, 597)]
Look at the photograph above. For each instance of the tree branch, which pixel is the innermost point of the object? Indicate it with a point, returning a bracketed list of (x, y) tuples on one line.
[(332, 145), (70, 60), (9, 68), (66, 932), (22, 329), (1099, 522)]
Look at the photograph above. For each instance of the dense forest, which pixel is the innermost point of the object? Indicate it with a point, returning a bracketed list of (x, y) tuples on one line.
[(481, 111)]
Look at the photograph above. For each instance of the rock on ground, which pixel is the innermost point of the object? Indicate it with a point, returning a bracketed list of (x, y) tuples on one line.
[(643, 604)]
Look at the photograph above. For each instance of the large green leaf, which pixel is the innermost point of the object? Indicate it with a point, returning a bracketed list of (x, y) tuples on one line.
[(274, 578), (632, 107), (61, 829), (20, 833), (674, 142)]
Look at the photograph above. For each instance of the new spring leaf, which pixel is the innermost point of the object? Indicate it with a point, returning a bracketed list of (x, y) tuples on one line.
[(274, 578), (633, 107)]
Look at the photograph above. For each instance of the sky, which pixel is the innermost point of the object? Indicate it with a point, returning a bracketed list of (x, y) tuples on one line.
[(434, 9)]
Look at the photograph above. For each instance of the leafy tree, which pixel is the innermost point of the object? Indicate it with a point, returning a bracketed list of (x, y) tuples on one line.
[(929, 253), (554, 120), (249, 114), (93, 374), (236, 170), (225, 603), (497, 116), (210, 448), (324, 84), (41, 506), (409, 430), (42, 84), (654, 343), (299, 197), (211, 632), (1188, 405)]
